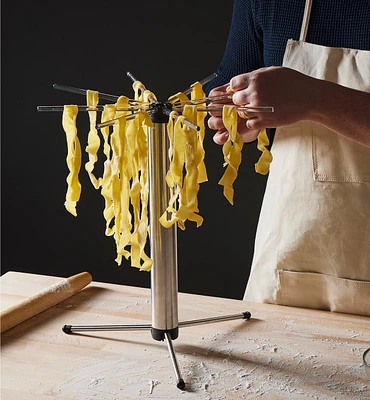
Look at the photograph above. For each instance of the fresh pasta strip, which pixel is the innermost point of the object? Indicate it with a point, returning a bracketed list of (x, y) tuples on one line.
[(137, 155), (194, 155), (170, 178), (198, 93), (120, 181), (263, 164), (232, 151), (124, 184), (141, 93), (183, 175), (139, 191), (93, 140), (73, 158), (174, 176), (186, 150), (138, 147), (129, 187), (179, 97), (106, 184)]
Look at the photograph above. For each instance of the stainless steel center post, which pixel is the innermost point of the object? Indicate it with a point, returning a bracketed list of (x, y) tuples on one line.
[(163, 247), (163, 241)]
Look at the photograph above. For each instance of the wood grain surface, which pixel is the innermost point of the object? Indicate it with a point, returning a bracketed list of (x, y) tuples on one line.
[(42, 300), (280, 353)]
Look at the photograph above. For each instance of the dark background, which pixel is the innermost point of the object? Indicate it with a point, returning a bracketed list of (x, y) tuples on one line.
[(167, 45)]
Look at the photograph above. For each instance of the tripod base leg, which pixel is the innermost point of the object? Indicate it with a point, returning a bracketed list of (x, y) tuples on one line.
[(69, 329), (157, 334), (180, 382)]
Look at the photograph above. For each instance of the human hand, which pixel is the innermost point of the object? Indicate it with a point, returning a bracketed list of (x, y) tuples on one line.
[(291, 93), (215, 121), (295, 97)]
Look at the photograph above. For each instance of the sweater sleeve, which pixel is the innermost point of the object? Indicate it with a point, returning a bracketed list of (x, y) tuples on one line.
[(244, 49)]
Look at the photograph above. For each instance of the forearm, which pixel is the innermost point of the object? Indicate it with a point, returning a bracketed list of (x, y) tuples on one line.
[(343, 110)]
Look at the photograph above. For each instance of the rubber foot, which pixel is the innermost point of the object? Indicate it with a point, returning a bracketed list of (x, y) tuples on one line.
[(67, 329), (247, 315), (181, 384)]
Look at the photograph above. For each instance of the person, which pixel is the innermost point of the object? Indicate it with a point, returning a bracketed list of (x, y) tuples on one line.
[(310, 60)]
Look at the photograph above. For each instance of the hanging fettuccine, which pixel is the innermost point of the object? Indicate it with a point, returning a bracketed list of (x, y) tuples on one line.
[(187, 168), (129, 182), (93, 140), (124, 184), (232, 150), (263, 164), (73, 158)]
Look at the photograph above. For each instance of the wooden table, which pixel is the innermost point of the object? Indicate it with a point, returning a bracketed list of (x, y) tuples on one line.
[(280, 353)]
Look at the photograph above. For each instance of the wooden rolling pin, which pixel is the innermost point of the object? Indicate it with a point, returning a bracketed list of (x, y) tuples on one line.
[(41, 301)]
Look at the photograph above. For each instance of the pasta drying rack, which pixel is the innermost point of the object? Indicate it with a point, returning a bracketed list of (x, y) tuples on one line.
[(163, 241)]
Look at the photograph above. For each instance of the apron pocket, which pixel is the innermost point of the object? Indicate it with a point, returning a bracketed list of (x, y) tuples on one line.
[(338, 159), (323, 292)]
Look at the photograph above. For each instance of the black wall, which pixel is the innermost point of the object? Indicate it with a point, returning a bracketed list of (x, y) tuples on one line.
[(167, 45)]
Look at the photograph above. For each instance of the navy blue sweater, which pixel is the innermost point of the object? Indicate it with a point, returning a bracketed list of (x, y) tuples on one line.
[(260, 29)]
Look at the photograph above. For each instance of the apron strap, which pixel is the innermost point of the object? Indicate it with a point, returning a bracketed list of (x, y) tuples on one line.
[(305, 21)]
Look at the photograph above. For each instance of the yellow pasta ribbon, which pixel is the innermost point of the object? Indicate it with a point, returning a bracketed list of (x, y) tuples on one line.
[(136, 155), (171, 177), (106, 184), (198, 93), (140, 184), (73, 158), (93, 140), (122, 173), (263, 164), (183, 174), (124, 184), (232, 151), (141, 93), (179, 97), (129, 192), (188, 197)]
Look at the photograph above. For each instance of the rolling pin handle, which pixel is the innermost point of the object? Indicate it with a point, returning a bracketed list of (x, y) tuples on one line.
[(67, 329)]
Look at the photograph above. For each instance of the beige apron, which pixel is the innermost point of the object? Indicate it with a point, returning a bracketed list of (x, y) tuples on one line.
[(312, 245)]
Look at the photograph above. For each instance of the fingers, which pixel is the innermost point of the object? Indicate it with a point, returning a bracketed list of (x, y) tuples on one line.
[(219, 90), (255, 124), (242, 97), (250, 88), (247, 130), (240, 82), (215, 107), (215, 123), (254, 121), (240, 85), (244, 114), (221, 136), (217, 113), (249, 134), (249, 124)]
